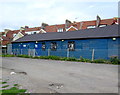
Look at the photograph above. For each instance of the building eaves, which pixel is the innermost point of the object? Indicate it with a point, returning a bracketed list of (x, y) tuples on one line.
[(100, 32)]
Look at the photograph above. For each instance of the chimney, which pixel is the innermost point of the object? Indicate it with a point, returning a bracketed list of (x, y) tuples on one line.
[(43, 25), (26, 27), (22, 29), (6, 30), (67, 23), (98, 21)]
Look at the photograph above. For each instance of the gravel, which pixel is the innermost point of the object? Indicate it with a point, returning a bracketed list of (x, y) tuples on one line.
[(50, 76)]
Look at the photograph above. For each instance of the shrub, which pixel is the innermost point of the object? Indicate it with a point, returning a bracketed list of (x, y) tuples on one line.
[(63, 58), (71, 59), (84, 60), (54, 57), (24, 56), (114, 60), (8, 55), (99, 61)]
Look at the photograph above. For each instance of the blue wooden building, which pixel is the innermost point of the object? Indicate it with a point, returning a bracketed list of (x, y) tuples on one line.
[(97, 43)]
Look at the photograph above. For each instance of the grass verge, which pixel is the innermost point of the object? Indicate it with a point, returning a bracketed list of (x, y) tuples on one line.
[(112, 60)]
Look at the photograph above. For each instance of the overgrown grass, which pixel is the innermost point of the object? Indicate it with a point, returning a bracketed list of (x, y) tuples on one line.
[(5, 86), (8, 55), (13, 90), (112, 60), (17, 85), (3, 82)]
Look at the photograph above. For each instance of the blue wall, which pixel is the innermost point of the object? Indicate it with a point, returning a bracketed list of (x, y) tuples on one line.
[(104, 48)]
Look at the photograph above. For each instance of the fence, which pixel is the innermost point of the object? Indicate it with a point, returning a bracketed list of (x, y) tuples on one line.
[(77, 53)]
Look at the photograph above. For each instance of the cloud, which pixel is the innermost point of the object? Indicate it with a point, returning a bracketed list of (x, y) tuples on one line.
[(91, 6), (17, 13)]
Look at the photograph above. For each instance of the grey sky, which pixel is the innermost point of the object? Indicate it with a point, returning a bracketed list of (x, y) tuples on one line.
[(17, 13)]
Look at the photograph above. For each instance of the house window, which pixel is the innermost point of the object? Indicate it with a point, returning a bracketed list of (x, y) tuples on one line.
[(88, 27), (103, 25), (60, 30), (43, 46), (24, 45), (71, 46), (14, 35), (53, 45)]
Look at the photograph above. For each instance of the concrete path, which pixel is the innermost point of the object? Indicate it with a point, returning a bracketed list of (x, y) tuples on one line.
[(49, 76)]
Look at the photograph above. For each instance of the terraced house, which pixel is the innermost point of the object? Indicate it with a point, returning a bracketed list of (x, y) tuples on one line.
[(12, 35)]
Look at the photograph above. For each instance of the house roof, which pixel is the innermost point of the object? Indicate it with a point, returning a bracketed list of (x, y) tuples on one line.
[(5, 38), (100, 32)]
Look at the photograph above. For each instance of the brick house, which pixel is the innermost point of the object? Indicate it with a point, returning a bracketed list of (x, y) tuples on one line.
[(68, 26)]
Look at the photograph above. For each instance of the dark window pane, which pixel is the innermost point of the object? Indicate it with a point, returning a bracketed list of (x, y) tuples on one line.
[(53, 45), (43, 46), (71, 46)]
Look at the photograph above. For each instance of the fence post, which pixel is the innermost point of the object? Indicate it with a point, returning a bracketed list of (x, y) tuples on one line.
[(28, 52), (34, 50), (93, 53), (21, 51), (68, 52), (48, 52)]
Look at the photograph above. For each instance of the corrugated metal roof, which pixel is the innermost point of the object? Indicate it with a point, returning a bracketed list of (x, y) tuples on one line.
[(100, 32)]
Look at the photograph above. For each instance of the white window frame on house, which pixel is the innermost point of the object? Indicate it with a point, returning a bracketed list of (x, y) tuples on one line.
[(71, 45), (43, 46), (53, 46), (102, 25), (32, 32), (71, 27), (14, 35), (60, 30), (28, 33), (91, 26), (4, 35)]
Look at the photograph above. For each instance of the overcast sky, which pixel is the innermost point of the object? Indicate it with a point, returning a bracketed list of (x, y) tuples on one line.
[(17, 13)]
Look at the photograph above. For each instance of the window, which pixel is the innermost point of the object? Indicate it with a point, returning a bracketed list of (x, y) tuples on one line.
[(34, 33), (53, 45), (60, 30), (71, 46), (24, 45), (88, 27), (43, 46), (103, 25), (14, 35)]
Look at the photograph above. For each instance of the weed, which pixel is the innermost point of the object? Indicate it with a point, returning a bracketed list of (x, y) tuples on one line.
[(5, 86), (112, 60), (13, 91), (17, 85), (4, 82)]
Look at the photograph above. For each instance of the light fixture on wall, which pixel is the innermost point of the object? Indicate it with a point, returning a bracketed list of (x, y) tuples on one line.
[(36, 42), (113, 39), (62, 40)]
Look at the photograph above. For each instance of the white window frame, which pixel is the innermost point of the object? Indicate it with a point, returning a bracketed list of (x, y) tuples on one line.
[(60, 30)]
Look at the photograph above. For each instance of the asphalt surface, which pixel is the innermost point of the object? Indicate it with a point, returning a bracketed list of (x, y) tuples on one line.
[(50, 76)]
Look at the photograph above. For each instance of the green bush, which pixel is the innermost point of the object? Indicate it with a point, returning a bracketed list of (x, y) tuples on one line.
[(43, 57), (71, 59), (99, 61), (114, 60), (54, 57), (63, 58), (7, 55), (84, 60), (24, 56)]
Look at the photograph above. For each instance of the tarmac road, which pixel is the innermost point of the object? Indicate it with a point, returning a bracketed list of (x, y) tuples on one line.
[(50, 76)]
